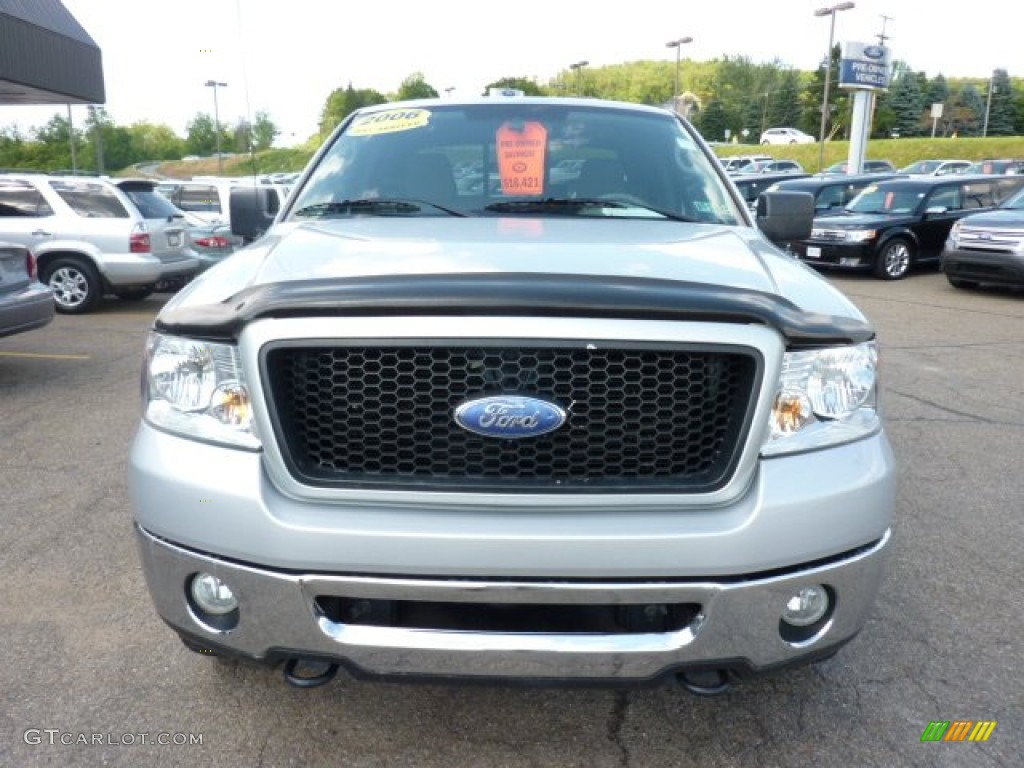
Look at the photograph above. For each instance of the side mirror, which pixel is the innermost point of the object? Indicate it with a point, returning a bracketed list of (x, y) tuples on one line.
[(785, 216), (253, 210)]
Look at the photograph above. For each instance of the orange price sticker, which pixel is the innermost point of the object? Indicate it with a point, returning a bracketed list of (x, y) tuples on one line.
[(521, 153)]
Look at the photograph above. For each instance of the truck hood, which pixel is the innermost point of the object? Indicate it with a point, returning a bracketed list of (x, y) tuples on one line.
[(1007, 219), (307, 261)]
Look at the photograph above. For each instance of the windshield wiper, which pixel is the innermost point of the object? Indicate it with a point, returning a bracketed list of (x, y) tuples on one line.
[(383, 206), (573, 205)]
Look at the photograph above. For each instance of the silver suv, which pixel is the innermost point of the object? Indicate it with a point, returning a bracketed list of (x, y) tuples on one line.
[(91, 236)]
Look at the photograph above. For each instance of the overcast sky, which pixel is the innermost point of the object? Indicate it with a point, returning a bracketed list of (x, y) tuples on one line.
[(285, 56)]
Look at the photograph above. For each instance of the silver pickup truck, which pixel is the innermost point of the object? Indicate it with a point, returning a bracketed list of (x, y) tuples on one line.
[(451, 417)]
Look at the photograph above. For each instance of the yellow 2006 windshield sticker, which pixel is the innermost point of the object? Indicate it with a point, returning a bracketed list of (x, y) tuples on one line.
[(390, 121), (521, 152)]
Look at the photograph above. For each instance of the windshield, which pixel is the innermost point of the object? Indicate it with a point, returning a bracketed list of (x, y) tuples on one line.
[(880, 199), (1015, 203), (475, 159), (151, 204), (922, 166)]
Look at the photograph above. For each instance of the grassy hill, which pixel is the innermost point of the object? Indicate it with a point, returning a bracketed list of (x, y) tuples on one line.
[(900, 152), (270, 161)]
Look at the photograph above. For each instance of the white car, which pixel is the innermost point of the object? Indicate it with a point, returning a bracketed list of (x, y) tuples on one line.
[(786, 136)]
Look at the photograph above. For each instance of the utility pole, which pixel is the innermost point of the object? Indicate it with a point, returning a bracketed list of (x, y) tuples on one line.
[(882, 37), (74, 154), (988, 103), (97, 138)]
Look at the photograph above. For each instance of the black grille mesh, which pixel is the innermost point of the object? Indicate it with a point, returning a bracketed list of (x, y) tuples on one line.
[(639, 418)]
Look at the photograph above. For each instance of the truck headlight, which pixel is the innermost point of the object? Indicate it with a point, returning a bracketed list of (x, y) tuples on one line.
[(860, 235), (197, 389), (825, 397)]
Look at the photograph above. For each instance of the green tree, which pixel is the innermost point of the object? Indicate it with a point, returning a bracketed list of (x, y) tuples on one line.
[(154, 142), (240, 137), (201, 135), (783, 106), (812, 100), (712, 121), (1018, 120), (883, 123), (344, 101), (526, 85), (415, 86), (968, 112), (907, 102), (263, 131), (12, 147), (938, 90), (1001, 111)]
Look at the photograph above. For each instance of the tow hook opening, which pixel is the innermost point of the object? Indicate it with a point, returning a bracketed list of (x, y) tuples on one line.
[(704, 682), (307, 673)]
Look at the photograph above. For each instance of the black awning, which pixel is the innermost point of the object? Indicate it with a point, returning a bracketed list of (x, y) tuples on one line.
[(46, 57)]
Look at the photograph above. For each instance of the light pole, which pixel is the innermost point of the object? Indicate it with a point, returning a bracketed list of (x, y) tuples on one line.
[(831, 10), (216, 121), (578, 66), (449, 90), (677, 44)]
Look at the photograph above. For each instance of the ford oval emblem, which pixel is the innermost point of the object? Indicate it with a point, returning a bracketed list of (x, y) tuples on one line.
[(509, 416), (874, 51)]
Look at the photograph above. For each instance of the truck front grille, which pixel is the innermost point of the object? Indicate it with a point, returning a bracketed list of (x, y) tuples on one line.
[(641, 417)]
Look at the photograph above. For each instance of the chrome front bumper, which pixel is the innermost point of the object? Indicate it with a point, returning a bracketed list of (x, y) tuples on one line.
[(738, 624)]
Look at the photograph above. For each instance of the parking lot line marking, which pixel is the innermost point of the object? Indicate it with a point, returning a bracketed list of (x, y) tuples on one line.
[(45, 356)]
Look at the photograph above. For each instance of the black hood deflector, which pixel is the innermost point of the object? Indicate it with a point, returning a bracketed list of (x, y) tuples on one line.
[(531, 294)]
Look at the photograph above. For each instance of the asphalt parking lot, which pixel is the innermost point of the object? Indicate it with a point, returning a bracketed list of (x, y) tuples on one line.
[(91, 676)]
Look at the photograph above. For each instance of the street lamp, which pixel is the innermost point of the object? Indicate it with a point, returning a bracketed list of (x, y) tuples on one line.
[(449, 90), (216, 121), (677, 44), (831, 10), (578, 66)]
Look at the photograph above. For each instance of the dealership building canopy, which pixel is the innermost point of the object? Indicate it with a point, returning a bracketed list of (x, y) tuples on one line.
[(46, 57)]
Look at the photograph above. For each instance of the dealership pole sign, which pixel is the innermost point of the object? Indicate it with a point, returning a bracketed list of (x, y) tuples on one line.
[(864, 67)]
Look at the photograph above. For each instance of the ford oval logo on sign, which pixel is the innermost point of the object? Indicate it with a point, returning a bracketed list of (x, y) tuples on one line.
[(874, 51), (509, 416)]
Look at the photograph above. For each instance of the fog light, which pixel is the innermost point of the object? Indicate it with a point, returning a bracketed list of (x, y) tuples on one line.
[(806, 607), (212, 595)]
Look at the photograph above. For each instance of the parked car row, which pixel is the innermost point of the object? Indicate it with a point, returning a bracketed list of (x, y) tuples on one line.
[(896, 224), (92, 237), (86, 237)]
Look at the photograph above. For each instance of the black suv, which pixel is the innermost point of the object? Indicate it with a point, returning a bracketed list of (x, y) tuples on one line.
[(751, 186), (831, 193), (897, 223)]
